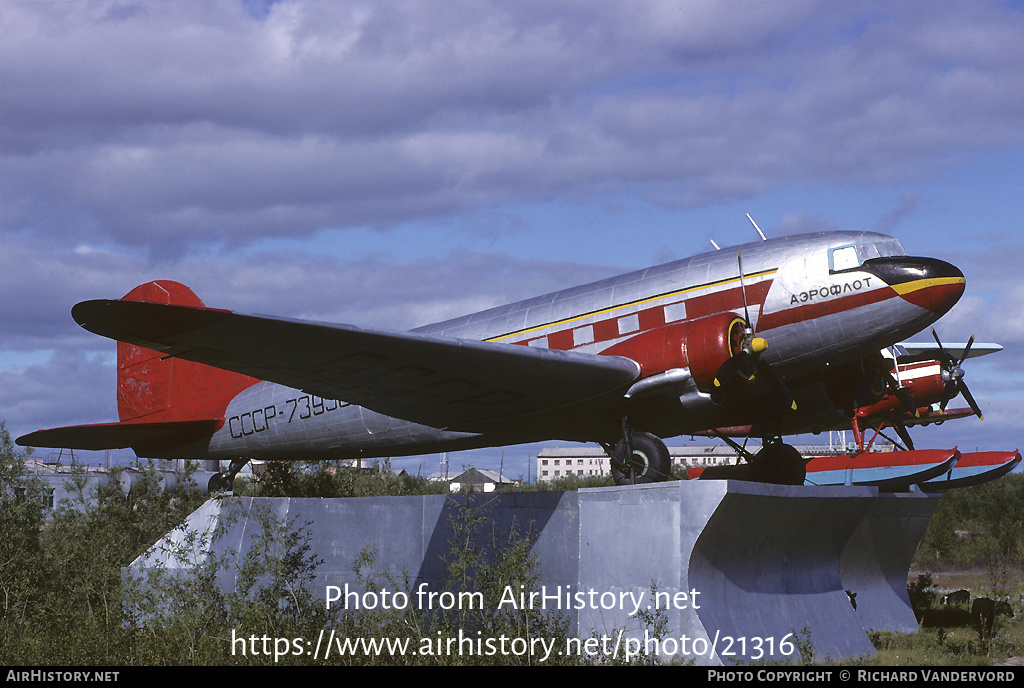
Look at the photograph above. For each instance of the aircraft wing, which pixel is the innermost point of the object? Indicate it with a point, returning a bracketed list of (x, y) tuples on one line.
[(447, 383), (936, 416)]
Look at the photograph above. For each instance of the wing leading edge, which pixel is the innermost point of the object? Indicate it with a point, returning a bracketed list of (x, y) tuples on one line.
[(448, 383)]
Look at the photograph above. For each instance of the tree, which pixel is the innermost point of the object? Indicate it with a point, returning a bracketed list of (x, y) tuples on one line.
[(22, 559)]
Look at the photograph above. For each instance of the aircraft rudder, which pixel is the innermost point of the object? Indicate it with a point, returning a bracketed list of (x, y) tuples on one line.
[(155, 387)]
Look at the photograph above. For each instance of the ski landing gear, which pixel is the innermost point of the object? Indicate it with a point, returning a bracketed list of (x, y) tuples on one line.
[(639, 457)]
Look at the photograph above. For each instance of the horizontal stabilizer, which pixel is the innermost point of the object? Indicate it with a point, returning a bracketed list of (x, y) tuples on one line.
[(142, 437), (928, 351)]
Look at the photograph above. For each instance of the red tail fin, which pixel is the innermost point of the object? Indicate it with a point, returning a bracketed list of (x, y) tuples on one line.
[(155, 388)]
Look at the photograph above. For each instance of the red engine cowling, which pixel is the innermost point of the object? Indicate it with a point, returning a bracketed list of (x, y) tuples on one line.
[(922, 381), (701, 345)]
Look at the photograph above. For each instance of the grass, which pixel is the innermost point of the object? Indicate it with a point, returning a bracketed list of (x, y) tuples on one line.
[(927, 647), (948, 635)]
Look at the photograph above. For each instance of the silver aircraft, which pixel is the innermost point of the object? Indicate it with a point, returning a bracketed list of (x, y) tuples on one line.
[(781, 336)]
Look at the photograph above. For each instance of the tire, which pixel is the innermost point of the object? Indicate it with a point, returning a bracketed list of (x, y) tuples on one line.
[(649, 463), (220, 482)]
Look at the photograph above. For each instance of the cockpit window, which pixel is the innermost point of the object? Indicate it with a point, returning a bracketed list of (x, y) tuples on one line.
[(843, 258), (853, 255)]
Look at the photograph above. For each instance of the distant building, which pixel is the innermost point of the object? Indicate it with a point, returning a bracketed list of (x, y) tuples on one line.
[(57, 483), (583, 461), (62, 481), (480, 480)]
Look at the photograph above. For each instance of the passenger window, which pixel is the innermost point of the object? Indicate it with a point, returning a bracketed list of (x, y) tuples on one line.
[(583, 335), (629, 323), (675, 311)]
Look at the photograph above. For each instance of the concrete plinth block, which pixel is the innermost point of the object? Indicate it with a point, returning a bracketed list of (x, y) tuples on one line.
[(769, 563), (728, 571), (876, 559)]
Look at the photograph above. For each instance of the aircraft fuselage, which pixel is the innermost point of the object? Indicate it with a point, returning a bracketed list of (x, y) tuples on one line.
[(819, 300)]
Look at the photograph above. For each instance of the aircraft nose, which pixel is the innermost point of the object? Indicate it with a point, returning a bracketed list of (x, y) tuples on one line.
[(929, 283)]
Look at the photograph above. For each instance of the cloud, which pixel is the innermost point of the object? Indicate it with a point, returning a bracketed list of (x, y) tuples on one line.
[(175, 125), (71, 388), (907, 206), (372, 291)]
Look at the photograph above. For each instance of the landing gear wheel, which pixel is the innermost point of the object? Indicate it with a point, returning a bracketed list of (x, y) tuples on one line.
[(648, 462), (780, 464), (220, 482), (225, 480)]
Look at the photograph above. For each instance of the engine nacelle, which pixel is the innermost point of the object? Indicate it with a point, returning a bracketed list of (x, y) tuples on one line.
[(922, 381), (701, 345)]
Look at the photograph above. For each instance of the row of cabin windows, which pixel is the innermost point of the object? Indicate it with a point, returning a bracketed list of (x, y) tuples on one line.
[(626, 325), (841, 258)]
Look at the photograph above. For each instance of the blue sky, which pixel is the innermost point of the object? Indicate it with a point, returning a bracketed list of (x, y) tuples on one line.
[(394, 163)]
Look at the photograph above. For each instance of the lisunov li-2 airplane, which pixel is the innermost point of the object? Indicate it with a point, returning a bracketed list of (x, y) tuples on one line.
[(781, 336)]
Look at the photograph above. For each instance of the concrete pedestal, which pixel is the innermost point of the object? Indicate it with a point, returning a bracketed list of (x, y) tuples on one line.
[(738, 568)]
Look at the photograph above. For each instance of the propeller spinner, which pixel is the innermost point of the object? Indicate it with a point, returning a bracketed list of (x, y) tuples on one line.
[(953, 376)]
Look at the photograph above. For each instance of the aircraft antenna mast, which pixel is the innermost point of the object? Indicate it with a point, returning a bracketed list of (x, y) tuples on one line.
[(763, 237)]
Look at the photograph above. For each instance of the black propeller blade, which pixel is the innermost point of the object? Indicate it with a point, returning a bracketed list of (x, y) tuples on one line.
[(777, 383), (953, 376), (741, 364), (901, 394), (748, 362)]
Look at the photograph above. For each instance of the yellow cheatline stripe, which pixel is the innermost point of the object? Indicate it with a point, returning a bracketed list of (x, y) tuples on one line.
[(631, 304), (916, 285)]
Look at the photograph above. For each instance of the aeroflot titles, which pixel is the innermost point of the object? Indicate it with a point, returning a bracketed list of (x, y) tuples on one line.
[(833, 290)]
